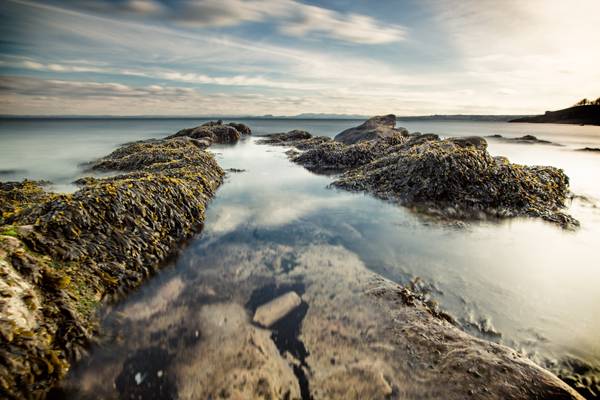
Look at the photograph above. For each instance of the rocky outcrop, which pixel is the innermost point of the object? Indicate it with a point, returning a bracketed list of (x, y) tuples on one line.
[(452, 178), (464, 181), (61, 254), (590, 149), (374, 128), (215, 132)]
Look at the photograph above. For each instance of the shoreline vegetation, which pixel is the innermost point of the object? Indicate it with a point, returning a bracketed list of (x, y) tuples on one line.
[(63, 255)]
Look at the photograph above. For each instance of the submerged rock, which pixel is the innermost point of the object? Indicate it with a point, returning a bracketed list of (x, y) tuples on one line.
[(271, 312), (374, 128), (79, 248)]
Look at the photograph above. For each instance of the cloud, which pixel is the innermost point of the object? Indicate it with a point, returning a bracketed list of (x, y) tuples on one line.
[(292, 18), (28, 86)]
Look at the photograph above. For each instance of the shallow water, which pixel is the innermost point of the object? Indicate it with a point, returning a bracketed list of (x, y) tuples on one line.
[(521, 282)]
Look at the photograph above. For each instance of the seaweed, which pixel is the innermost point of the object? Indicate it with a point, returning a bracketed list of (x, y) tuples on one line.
[(62, 254), (454, 178)]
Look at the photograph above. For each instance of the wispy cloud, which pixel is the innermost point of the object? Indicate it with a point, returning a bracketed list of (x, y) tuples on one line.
[(292, 17), (80, 89), (289, 57)]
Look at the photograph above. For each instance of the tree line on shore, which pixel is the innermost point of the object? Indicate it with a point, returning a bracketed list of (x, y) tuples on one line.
[(586, 102)]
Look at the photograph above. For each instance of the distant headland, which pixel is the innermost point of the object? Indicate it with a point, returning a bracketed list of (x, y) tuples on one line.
[(585, 112)]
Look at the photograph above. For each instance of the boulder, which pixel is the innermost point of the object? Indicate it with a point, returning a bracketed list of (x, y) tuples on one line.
[(374, 128)]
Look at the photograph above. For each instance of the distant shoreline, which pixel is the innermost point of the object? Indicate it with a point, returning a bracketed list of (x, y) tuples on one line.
[(577, 115), (309, 117)]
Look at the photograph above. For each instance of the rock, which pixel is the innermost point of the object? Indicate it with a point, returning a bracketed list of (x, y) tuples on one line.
[(335, 156), (470, 141), (454, 178), (97, 242), (277, 138), (216, 132), (374, 128), (444, 173), (271, 312)]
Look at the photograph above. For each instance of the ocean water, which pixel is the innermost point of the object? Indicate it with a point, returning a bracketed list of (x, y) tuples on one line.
[(521, 282)]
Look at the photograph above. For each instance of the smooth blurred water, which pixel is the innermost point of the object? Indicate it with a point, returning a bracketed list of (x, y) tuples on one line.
[(522, 282)]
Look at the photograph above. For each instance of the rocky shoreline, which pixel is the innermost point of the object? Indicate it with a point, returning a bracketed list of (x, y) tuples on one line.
[(63, 254), (453, 178)]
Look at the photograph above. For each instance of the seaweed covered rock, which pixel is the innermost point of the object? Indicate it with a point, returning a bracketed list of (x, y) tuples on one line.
[(374, 128), (335, 156), (17, 195), (66, 252), (463, 180), (215, 132), (453, 178)]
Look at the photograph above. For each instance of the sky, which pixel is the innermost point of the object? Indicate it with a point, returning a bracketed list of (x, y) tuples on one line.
[(286, 57)]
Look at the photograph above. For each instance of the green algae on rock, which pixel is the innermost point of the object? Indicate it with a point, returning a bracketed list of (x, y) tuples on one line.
[(453, 178), (73, 250)]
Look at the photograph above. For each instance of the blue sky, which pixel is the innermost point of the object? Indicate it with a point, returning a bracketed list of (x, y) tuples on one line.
[(284, 57)]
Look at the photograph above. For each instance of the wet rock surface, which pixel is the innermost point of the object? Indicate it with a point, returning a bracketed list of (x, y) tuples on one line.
[(454, 178), (62, 254)]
